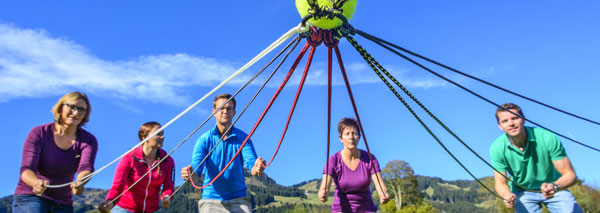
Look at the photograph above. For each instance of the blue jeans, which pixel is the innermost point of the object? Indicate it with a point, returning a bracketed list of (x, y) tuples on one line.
[(32, 203), (118, 209), (562, 201)]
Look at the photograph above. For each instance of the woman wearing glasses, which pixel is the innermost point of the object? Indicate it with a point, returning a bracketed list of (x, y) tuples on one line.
[(52, 154), (144, 196)]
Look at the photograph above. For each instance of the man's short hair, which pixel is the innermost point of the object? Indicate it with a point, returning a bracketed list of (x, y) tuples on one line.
[(226, 96), (509, 106)]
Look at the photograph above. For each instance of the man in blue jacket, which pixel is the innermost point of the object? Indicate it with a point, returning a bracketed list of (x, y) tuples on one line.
[(228, 192)]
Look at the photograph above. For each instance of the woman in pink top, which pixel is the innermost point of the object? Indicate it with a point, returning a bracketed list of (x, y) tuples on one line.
[(52, 154), (352, 172), (145, 195)]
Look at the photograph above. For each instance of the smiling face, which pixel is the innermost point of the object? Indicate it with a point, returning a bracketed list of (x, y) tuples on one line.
[(350, 137), (73, 112), (225, 115), (511, 124), (157, 140)]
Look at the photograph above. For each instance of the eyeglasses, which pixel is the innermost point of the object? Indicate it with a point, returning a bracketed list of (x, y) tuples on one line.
[(78, 109)]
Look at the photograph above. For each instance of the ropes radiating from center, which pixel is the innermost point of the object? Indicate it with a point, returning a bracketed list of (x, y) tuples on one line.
[(295, 30)]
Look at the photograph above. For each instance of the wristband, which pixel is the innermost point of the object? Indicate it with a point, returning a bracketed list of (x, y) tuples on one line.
[(555, 187)]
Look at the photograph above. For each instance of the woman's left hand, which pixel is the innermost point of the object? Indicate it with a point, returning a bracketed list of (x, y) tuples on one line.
[(384, 198), (77, 187), (165, 201)]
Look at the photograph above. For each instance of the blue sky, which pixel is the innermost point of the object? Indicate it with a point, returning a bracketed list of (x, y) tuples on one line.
[(148, 60)]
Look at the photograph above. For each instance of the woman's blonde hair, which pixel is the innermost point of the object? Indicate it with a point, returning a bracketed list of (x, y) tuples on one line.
[(57, 108)]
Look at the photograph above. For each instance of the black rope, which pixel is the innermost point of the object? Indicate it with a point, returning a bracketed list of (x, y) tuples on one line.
[(295, 41), (409, 94), (317, 12), (370, 60), (371, 37), (338, 4), (468, 90)]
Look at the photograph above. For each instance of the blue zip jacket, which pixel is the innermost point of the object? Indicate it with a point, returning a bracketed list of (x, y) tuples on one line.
[(231, 184)]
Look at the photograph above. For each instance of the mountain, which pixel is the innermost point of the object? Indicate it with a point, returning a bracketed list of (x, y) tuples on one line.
[(268, 196)]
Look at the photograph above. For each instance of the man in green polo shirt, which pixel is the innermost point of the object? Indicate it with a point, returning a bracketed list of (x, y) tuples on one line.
[(535, 160)]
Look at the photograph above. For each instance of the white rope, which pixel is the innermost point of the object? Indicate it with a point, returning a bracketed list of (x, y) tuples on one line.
[(298, 29)]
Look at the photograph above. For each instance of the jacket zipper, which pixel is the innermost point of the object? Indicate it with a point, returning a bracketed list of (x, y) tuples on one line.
[(149, 181)]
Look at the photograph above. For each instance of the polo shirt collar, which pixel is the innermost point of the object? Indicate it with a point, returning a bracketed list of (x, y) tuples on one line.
[(530, 139)]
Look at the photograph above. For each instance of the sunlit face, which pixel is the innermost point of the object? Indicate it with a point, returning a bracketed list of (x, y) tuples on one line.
[(511, 124), (225, 115), (155, 141), (350, 137), (73, 112)]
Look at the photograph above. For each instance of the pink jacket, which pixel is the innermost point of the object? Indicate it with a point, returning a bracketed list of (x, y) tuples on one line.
[(144, 196)]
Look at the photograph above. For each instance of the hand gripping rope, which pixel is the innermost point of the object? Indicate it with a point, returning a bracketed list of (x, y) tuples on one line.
[(285, 80), (209, 117), (298, 29), (296, 41), (375, 66)]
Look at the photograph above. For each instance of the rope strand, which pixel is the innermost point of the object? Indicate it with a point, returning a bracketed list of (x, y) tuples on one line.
[(367, 57), (298, 29), (296, 41), (475, 94), (371, 37), (343, 70)]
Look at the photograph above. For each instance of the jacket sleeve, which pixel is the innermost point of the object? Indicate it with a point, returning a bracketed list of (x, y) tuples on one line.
[(199, 153), (169, 182), (249, 155), (121, 174)]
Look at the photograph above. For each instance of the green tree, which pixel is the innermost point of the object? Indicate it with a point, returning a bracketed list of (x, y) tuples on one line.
[(402, 183)]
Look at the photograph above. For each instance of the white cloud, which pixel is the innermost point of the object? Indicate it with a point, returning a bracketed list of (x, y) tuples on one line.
[(33, 64)]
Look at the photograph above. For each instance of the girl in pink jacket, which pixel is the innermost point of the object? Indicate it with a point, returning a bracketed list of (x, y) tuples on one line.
[(145, 195)]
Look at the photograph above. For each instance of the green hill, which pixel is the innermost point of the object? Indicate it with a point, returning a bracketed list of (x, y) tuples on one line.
[(268, 196)]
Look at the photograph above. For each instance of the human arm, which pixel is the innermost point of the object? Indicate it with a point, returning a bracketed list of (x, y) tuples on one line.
[(168, 184), (38, 185), (501, 186), (325, 186), (567, 178), (122, 171), (384, 197), (30, 159), (77, 186), (86, 163), (199, 153), (255, 164)]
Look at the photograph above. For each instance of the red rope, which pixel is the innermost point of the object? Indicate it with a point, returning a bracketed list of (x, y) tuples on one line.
[(308, 63), (329, 62), (285, 80), (339, 57)]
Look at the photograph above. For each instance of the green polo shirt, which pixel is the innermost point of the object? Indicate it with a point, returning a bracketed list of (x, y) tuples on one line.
[(532, 166)]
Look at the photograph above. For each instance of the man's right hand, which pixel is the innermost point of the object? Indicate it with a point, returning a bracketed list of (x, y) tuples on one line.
[(185, 174), (509, 200)]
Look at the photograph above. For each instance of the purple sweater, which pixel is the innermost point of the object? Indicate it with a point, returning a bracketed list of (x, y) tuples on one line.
[(48, 162), (352, 192)]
